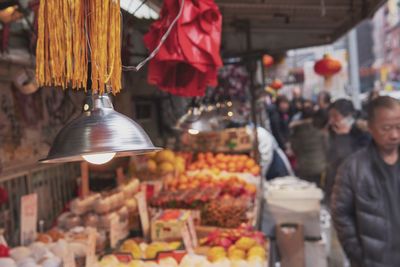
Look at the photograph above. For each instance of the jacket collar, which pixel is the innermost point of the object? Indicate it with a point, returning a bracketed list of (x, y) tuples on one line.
[(375, 157)]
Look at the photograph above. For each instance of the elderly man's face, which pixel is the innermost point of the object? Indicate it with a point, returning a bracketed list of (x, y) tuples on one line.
[(385, 128)]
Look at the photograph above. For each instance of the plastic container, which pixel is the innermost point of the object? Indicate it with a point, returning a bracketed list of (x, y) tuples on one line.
[(291, 200)]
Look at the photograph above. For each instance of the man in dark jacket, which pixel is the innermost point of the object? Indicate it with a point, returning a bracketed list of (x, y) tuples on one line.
[(366, 195), (345, 138)]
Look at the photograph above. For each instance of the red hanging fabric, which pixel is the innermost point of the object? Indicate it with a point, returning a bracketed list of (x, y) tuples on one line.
[(189, 59)]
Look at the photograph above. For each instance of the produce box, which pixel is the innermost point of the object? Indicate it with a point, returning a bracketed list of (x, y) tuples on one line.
[(229, 140), (171, 225)]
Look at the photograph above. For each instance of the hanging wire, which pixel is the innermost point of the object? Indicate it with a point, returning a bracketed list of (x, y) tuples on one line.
[(158, 47), (153, 53), (136, 10)]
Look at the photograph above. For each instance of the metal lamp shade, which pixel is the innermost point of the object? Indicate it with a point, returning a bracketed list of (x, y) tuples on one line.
[(99, 129), (207, 121)]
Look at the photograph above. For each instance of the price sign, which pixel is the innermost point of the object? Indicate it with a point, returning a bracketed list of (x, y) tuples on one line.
[(114, 231), (69, 259), (144, 214), (192, 232), (29, 214), (186, 238), (91, 247)]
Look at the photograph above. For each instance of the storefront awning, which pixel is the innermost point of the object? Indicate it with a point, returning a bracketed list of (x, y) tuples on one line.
[(279, 25)]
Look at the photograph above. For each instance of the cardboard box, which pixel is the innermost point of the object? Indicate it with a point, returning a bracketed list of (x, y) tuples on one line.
[(229, 140), (170, 225)]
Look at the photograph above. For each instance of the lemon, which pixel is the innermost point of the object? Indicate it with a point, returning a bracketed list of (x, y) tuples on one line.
[(236, 254), (153, 249), (257, 251), (231, 248), (165, 156), (151, 165), (216, 254), (245, 243), (174, 245), (179, 167), (132, 247), (165, 167)]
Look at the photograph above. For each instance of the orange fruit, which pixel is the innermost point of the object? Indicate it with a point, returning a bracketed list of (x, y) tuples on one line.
[(231, 169), (252, 189), (209, 155), (219, 156), (183, 186), (250, 163), (201, 156), (215, 171), (244, 157), (184, 179), (231, 165), (255, 170), (222, 166)]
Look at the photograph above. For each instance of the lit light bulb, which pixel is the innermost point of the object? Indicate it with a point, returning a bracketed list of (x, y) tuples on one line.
[(193, 131), (229, 103), (100, 158), (230, 114)]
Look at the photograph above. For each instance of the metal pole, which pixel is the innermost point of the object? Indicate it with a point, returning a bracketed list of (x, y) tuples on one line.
[(354, 68), (250, 68)]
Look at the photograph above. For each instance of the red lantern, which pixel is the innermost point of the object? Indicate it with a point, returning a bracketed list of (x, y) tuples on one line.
[(276, 84), (327, 66), (267, 61)]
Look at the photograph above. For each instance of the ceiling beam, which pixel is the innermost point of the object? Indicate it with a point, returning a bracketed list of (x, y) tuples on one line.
[(284, 6)]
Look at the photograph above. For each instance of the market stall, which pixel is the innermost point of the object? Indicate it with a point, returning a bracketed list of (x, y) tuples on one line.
[(203, 204), (190, 212)]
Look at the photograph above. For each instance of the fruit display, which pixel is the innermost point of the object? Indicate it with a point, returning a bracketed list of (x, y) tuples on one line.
[(98, 210), (225, 162), (227, 212), (147, 251), (185, 199), (49, 253), (168, 225), (189, 260), (164, 162), (228, 184), (241, 244)]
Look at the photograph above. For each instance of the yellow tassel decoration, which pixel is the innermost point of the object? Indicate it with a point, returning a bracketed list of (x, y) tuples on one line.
[(72, 31)]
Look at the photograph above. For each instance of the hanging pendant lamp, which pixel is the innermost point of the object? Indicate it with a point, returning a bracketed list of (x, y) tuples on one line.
[(99, 134), (201, 119)]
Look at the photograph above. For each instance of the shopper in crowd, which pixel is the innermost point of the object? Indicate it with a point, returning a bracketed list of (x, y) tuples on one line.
[(366, 196), (309, 145), (323, 100), (272, 156), (321, 119), (279, 120), (306, 111), (345, 137), (296, 105), (374, 94)]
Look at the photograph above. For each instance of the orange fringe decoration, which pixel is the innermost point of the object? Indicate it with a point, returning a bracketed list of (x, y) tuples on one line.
[(64, 44)]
